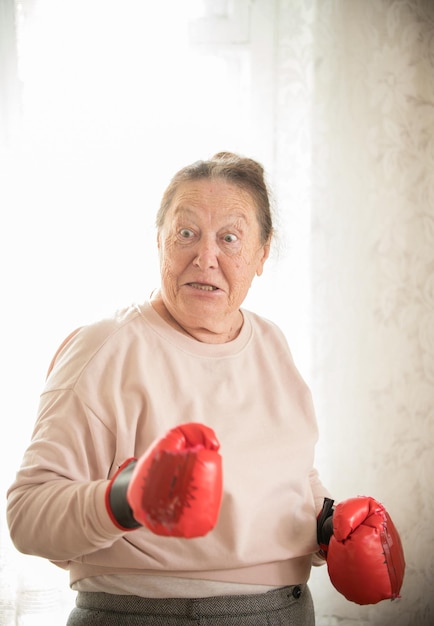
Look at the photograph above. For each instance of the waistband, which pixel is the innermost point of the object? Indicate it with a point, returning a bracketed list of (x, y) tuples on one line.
[(276, 574), (192, 607)]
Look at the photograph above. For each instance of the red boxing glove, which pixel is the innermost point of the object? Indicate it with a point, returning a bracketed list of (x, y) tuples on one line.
[(174, 489), (365, 559)]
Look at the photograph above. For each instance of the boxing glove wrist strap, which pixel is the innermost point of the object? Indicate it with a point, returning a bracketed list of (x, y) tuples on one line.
[(116, 497), (325, 526)]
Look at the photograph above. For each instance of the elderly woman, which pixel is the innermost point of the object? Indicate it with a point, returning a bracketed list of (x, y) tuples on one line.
[(171, 469)]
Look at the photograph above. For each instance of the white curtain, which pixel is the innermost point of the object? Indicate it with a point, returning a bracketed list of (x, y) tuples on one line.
[(346, 91)]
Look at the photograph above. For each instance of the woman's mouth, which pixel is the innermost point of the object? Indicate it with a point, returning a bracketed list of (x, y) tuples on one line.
[(202, 286)]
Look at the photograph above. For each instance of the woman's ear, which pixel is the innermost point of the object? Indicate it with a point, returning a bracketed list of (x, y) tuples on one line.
[(264, 257)]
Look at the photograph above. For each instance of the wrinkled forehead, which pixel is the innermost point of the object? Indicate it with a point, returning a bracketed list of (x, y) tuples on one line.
[(213, 197)]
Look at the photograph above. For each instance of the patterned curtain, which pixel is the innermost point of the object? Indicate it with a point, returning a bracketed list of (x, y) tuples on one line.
[(356, 153)]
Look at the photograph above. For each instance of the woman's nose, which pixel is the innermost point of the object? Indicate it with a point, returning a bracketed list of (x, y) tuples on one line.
[(206, 253)]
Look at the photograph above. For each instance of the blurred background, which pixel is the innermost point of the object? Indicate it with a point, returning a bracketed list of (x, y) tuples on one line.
[(101, 101)]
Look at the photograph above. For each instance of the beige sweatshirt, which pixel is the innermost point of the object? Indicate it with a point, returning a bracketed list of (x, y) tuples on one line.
[(122, 382)]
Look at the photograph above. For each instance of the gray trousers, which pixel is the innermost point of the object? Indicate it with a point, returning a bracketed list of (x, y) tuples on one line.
[(288, 606)]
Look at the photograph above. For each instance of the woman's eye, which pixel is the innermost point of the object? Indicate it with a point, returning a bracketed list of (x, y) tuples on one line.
[(186, 233), (230, 238)]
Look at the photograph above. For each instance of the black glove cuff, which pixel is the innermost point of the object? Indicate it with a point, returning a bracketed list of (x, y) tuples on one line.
[(118, 502), (324, 526)]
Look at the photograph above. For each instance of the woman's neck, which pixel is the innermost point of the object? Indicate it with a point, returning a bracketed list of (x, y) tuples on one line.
[(200, 333)]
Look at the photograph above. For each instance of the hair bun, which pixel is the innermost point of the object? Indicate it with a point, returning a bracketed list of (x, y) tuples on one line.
[(225, 156), (246, 163)]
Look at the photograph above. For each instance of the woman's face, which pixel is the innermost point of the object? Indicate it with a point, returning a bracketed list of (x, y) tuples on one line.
[(210, 250)]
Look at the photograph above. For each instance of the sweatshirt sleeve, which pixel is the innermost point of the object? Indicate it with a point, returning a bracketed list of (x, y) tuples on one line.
[(56, 505), (318, 490)]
